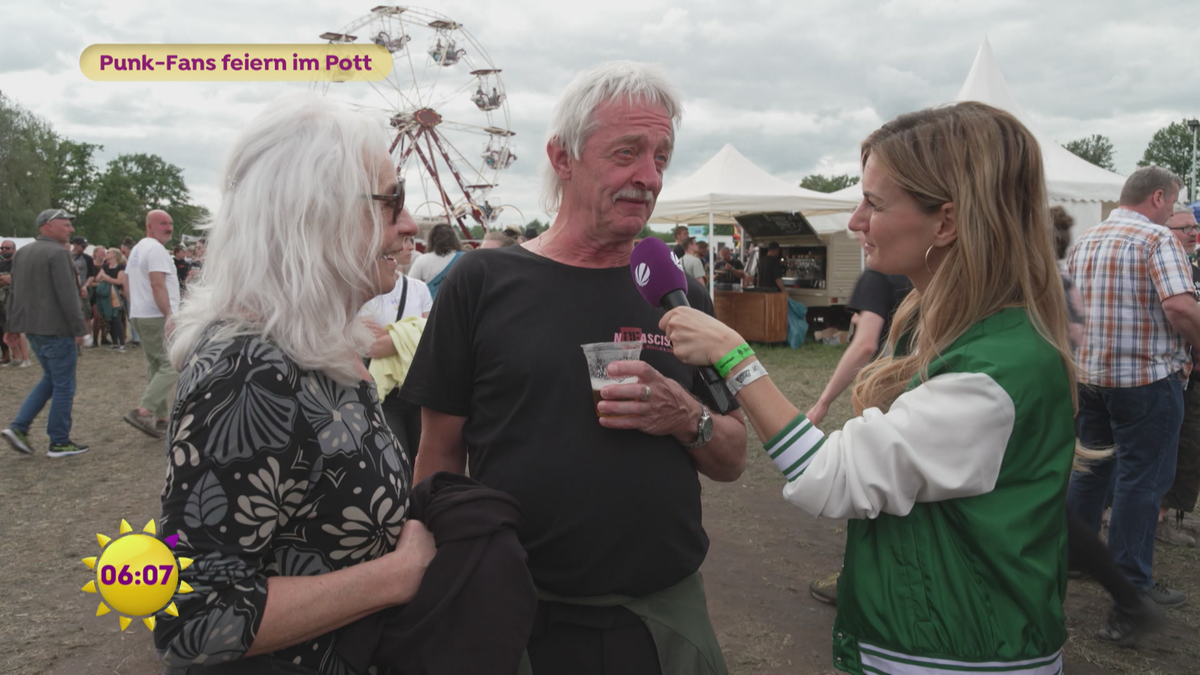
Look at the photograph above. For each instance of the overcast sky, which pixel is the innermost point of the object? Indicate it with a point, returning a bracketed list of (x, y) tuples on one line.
[(795, 86)]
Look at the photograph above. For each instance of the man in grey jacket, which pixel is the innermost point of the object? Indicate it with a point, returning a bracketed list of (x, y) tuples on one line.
[(44, 304)]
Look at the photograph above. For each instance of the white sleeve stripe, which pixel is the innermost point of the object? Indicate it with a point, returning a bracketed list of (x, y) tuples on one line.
[(801, 426), (794, 472), (792, 454)]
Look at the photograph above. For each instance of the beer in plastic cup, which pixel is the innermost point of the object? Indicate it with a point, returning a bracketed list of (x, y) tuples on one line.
[(599, 355)]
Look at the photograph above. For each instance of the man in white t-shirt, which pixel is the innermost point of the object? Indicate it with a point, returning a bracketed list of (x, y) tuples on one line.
[(153, 298)]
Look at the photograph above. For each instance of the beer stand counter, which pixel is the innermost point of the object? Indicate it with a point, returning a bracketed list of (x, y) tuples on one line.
[(757, 317)]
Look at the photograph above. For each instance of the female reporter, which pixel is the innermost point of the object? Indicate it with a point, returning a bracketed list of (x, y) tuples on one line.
[(283, 483), (954, 476)]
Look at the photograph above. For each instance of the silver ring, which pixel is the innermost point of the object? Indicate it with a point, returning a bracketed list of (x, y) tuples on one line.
[(646, 396)]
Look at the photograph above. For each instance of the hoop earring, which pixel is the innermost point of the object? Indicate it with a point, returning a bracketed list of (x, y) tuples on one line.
[(927, 251)]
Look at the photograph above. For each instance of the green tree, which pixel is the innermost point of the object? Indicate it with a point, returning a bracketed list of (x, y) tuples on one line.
[(115, 213), (28, 146), (823, 183), (76, 177), (1097, 149), (1171, 148), (132, 186)]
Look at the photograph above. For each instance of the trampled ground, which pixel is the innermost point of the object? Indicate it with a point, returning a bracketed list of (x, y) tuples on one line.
[(763, 555)]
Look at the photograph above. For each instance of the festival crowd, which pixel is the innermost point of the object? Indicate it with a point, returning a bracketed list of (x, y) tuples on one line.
[(388, 462)]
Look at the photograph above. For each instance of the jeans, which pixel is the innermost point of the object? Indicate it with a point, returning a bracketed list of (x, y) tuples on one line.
[(58, 357), (1141, 424)]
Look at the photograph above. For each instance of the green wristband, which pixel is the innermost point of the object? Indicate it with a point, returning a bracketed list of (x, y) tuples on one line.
[(730, 360)]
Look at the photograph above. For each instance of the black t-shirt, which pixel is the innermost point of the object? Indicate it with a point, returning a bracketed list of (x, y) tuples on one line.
[(770, 268), (679, 252), (723, 269), (112, 271), (603, 511), (181, 270), (880, 294)]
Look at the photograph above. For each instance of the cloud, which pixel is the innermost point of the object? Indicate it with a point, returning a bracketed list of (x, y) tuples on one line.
[(795, 86)]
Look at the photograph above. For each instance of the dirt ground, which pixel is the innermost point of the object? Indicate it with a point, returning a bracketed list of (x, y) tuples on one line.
[(764, 553)]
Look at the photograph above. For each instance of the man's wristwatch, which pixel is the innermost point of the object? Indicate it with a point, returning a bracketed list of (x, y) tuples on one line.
[(704, 430)]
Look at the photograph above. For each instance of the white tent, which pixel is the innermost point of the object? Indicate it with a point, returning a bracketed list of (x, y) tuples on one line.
[(1083, 189), (729, 185)]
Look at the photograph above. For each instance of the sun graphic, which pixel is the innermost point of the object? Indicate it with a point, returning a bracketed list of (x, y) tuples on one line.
[(137, 575)]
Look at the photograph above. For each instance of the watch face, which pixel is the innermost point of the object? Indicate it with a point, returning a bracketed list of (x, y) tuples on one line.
[(706, 426)]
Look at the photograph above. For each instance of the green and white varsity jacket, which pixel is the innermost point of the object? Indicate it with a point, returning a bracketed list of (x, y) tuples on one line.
[(956, 548)]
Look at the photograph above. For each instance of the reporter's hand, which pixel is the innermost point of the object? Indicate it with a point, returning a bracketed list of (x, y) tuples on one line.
[(414, 551), (817, 413), (697, 338)]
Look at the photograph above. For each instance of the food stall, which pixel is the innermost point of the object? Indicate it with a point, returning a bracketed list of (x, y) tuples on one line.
[(820, 269)]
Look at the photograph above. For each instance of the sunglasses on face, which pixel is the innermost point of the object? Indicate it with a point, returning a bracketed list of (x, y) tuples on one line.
[(395, 201)]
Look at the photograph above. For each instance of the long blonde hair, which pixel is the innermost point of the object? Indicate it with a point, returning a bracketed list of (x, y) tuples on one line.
[(985, 162)]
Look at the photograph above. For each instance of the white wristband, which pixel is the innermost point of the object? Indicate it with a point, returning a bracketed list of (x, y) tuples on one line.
[(744, 377)]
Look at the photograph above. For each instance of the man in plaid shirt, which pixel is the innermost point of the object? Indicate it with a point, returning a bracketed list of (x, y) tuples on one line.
[(1141, 314)]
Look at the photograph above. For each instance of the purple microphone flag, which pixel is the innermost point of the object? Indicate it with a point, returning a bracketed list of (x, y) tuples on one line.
[(655, 270)]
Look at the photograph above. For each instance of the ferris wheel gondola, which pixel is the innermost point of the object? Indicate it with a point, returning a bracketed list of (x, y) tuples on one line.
[(445, 106)]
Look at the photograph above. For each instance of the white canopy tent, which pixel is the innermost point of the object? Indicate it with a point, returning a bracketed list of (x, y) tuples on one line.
[(729, 185), (1083, 189)]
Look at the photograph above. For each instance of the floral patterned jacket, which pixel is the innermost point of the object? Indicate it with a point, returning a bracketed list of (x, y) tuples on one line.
[(272, 470)]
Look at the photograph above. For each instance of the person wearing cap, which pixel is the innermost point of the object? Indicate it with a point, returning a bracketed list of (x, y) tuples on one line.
[(44, 304), (85, 271)]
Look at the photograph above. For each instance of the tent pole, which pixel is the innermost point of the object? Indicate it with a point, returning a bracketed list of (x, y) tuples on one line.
[(712, 293)]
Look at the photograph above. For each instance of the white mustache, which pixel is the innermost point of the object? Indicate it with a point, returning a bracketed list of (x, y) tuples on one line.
[(631, 193)]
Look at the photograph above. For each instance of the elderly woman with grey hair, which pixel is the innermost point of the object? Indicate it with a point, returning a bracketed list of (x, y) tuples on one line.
[(283, 482)]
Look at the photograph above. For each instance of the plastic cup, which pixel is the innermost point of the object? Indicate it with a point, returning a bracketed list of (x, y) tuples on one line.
[(599, 355)]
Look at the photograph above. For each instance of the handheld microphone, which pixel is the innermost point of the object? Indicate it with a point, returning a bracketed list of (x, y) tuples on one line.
[(661, 281)]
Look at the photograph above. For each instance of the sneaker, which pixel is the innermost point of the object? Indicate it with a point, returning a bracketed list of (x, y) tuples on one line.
[(143, 423), (120, 348), (825, 589), (66, 449), (135, 343), (1125, 625), (17, 440), (1169, 533), (1167, 597)]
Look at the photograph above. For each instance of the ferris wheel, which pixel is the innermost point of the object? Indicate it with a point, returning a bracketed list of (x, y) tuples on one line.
[(446, 109)]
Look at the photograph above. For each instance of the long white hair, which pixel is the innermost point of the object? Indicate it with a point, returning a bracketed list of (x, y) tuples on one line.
[(574, 114), (290, 253)]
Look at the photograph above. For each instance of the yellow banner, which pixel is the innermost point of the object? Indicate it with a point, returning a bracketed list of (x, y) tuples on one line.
[(236, 63)]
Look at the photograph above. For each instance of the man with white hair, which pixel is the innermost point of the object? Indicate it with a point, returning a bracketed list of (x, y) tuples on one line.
[(153, 297), (609, 491)]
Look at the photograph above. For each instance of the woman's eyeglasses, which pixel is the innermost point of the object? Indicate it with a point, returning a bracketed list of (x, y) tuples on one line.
[(394, 200)]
